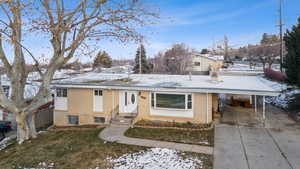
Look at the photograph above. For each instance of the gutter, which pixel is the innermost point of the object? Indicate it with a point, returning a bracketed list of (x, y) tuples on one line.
[(175, 89)]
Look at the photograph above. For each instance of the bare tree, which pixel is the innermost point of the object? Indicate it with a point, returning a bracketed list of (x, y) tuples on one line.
[(178, 59), (264, 53), (69, 27), (158, 63)]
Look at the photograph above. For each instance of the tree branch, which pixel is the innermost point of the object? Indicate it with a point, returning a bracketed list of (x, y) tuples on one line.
[(3, 58), (27, 50)]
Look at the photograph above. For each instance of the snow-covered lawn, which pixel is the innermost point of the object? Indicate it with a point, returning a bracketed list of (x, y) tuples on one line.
[(156, 158), (81, 148), (5, 142), (286, 95), (285, 98), (288, 98), (42, 165)]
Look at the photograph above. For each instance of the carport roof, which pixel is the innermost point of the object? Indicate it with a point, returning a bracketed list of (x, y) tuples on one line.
[(246, 85)]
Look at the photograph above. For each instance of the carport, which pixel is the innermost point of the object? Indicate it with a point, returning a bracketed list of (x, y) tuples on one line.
[(252, 104), (252, 91)]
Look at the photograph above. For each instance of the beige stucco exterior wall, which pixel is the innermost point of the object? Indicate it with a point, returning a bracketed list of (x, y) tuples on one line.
[(80, 102), (215, 102), (206, 64), (200, 103)]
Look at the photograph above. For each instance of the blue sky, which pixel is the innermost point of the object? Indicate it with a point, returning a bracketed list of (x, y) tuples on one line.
[(198, 22)]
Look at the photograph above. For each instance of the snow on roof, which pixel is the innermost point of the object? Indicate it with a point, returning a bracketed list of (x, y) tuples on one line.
[(118, 69), (210, 56), (181, 83), (243, 67)]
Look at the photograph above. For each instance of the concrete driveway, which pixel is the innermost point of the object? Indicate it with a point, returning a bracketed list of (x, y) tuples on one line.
[(250, 146)]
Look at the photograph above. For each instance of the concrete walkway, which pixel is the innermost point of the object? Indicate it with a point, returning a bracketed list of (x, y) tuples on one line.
[(254, 147), (115, 133)]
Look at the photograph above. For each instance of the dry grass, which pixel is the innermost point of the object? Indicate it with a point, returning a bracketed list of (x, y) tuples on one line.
[(72, 149), (173, 135), (187, 125)]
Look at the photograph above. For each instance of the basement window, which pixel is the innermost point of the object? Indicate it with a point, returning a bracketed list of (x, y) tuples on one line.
[(73, 119), (99, 119)]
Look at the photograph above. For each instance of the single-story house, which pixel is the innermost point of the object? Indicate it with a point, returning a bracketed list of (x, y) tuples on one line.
[(95, 98), (206, 62)]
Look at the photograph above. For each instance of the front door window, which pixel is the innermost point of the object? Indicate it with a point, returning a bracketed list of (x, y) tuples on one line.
[(132, 98)]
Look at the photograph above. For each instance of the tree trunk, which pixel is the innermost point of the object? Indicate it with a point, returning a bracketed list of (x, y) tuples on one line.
[(22, 128), (31, 125), (264, 65), (270, 65), (26, 126)]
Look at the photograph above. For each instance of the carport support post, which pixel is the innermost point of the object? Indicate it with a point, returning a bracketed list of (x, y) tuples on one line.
[(255, 103), (206, 107), (264, 108)]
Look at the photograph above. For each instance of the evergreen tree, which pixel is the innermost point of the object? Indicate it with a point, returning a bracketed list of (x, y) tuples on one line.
[(145, 66), (204, 51), (102, 59), (292, 59)]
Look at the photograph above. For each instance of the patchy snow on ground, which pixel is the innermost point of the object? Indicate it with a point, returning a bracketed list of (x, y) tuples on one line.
[(243, 67), (41, 165), (5, 143), (155, 158), (204, 142), (284, 98), (42, 132), (286, 95)]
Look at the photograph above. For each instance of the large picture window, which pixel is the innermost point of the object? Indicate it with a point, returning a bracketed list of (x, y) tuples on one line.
[(171, 101)]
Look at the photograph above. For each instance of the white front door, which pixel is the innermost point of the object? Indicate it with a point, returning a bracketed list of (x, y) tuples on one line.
[(128, 101)]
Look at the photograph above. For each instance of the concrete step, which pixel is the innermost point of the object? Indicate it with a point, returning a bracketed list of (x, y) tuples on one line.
[(120, 122), (127, 115), (124, 118)]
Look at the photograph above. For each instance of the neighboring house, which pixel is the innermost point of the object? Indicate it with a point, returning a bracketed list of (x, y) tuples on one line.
[(44, 115), (206, 62), (97, 98), (4, 115), (118, 69)]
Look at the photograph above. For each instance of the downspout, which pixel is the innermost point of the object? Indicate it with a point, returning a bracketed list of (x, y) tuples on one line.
[(113, 104)]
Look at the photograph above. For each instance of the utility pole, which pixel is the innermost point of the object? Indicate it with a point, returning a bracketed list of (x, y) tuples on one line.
[(213, 46), (280, 34), (140, 59), (226, 55)]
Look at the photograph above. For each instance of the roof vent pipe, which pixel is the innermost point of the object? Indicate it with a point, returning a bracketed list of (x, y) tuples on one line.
[(190, 76)]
